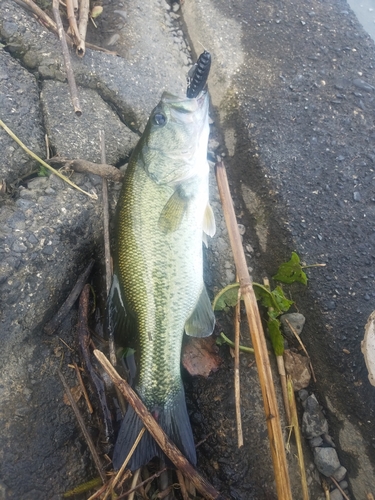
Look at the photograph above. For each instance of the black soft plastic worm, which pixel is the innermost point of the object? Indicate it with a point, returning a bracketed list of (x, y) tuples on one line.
[(198, 74)]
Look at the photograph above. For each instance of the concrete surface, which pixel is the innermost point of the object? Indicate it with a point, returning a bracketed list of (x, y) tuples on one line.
[(292, 87)]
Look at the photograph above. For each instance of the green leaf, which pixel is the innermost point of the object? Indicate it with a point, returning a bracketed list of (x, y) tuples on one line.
[(277, 339), (274, 301), (282, 302), (43, 172), (227, 297), (264, 295), (291, 271)]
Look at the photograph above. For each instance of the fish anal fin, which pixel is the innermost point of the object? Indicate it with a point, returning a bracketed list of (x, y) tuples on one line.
[(209, 225), (172, 213), (201, 322)]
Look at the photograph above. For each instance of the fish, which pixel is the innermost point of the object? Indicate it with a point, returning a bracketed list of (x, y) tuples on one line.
[(158, 293)]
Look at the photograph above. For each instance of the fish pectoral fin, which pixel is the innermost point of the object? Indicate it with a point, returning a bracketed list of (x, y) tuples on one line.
[(117, 320), (209, 225), (204, 239), (201, 323), (172, 213)]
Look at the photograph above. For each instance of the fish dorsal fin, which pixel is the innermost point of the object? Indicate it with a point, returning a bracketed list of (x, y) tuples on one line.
[(201, 322), (209, 225), (172, 213)]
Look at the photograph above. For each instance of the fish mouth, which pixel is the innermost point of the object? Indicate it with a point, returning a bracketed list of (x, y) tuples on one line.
[(185, 104), (201, 98)]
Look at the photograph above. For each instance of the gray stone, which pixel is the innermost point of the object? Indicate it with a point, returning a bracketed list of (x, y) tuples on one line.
[(297, 322), (297, 366), (326, 460), (313, 422), (328, 440), (303, 395), (316, 441), (335, 495), (340, 473)]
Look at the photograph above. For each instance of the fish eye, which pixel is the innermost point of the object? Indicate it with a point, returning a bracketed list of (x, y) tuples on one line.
[(160, 119)]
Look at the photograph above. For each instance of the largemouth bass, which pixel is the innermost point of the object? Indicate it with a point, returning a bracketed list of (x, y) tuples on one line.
[(158, 292)]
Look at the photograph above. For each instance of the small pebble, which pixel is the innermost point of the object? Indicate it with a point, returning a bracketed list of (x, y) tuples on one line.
[(356, 196), (328, 440), (335, 495), (114, 38), (315, 442), (241, 229), (296, 322), (363, 85), (303, 394), (326, 460), (340, 473)]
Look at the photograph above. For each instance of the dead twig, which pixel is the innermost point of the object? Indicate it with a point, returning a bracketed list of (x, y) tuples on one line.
[(169, 448), (82, 385), (140, 485), (84, 7), (134, 484), (326, 489), (47, 21), (77, 413), (55, 322), (237, 390), (42, 162), (84, 343), (181, 480), (130, 454), (108, 171), (68, 64), (297, 433), (303, 348), (73, 28), (258, 341), (339, 488), (51, 25), (107, 249)]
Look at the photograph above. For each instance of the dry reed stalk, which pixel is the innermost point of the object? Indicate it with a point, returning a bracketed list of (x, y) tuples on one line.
[(258, 340), (297, 433), (237, 387), (84, 7), (126, 461), (73, 28)]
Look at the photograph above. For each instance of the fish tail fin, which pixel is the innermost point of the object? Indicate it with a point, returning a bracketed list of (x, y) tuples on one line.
[(173, 418)]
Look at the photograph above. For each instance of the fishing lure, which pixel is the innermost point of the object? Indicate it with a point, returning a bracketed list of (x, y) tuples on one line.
[(198, 74)]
